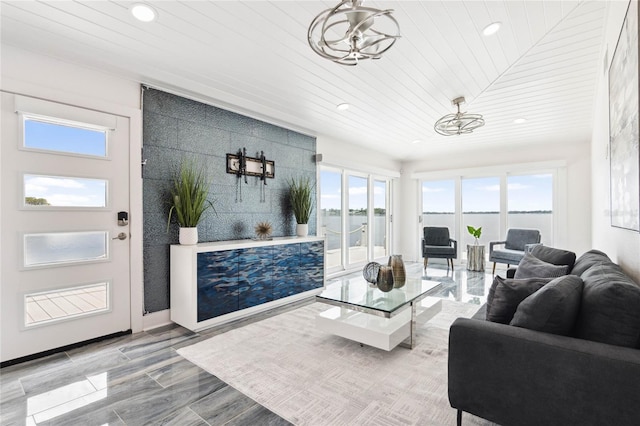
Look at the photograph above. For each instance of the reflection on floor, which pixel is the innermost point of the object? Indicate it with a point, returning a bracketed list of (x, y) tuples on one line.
[(140, 379)]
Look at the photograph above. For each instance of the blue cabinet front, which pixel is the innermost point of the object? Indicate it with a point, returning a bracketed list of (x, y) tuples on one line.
[(255, 276), (286, 270), (311, 266), (217, 283), (230, 280)]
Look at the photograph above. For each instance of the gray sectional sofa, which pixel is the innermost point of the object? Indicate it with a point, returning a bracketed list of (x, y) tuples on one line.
[(566, 352)]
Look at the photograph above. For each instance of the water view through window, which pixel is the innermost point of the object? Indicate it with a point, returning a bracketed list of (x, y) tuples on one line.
[(529, 205)]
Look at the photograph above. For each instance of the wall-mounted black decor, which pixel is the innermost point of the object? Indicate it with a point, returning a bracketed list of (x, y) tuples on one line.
[(240, 164), (176, 128)]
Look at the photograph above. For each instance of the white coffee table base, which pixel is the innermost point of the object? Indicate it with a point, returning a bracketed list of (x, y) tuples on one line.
[(372, 330)]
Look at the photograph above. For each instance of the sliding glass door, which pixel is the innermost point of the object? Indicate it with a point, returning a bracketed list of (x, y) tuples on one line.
[(331, 216), (357, 223), (355, 217)]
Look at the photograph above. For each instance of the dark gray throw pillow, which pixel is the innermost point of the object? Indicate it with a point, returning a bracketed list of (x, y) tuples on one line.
[(532, 267), (553, 308), (555, 255), (610, 308), (507, 295)]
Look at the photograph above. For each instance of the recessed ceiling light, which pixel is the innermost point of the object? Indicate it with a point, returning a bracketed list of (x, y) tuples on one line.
[(491, 28), (343, 107), (416, 141), (143, 12), (520, 120)]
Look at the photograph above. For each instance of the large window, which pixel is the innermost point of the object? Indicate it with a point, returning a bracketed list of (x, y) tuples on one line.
[(495, 203), (481, 208), (439, 204), (530, 203)]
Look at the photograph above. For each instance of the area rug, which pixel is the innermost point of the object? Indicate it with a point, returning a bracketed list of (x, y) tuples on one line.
[(309, 377)]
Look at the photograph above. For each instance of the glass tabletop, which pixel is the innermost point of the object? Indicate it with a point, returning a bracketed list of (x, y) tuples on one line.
[(357, 292)]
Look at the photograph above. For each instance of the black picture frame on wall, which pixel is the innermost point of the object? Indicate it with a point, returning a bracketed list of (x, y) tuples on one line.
[(624, 125)]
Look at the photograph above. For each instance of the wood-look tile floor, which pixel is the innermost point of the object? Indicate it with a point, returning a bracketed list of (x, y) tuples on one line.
[(140, 379)]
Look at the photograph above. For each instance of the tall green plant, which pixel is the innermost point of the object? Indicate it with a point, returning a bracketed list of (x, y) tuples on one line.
[(189, 195), (301, 197)]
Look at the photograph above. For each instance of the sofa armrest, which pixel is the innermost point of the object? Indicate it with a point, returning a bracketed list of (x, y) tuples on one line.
[(455, 244), (495, 243), (511, 375)]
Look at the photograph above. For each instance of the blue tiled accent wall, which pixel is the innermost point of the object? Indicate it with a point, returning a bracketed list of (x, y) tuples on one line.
[(175, 128)]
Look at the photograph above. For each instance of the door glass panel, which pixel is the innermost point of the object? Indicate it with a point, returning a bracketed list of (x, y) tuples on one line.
[(64, 247), (45, 307), (481, 208), (357, 221), (380, 219), (439, 204), (530, 204), (61, 191), (331, 215), (64, 138)]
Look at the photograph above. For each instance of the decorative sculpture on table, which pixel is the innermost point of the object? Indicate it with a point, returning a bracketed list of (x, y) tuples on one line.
[(399, 273), (385, 279)]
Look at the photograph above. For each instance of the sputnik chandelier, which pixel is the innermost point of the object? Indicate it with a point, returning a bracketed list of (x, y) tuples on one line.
[(458, 123), (345, 34)]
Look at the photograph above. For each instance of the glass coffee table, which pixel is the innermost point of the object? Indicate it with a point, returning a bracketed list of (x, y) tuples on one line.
[(367, 315)]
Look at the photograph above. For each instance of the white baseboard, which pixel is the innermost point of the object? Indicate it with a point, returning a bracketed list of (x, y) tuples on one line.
[(156, 319)]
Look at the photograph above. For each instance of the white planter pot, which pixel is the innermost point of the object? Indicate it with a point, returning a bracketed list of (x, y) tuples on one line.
[(188, 236), (302, 229)]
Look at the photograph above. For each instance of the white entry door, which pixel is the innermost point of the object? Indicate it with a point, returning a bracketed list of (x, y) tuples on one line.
[(65, 255)]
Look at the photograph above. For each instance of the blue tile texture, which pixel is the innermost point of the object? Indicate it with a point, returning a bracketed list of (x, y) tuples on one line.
[(176, 128)]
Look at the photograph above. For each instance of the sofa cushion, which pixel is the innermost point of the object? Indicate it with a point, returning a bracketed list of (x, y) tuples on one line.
[(532, 267), (587, 260), (555, 256), (610, 308), (552, 309), (506, 294)]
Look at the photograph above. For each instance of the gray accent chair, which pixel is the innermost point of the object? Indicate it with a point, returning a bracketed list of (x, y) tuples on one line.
[(518, 242), (437, 244)]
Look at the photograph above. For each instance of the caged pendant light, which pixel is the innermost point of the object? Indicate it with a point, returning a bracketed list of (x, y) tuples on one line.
[(458, 123), (350, 32)]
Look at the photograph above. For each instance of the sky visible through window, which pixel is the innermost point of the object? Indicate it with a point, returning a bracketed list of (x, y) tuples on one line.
[(524, 193), (62, 138), (63, 191), (330, 192)]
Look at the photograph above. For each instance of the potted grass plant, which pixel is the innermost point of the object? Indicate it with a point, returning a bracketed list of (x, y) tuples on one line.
[(189, 200), (301, 198)]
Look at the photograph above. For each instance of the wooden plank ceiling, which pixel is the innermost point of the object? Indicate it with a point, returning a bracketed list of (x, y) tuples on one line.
[(253, 57)]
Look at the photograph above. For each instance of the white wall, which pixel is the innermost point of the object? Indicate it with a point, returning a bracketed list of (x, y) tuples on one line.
[(623, 246), (575, 154)]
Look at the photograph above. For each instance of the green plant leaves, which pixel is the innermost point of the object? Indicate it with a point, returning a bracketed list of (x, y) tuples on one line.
[(476, 232), (301, 197), (189, 195)]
